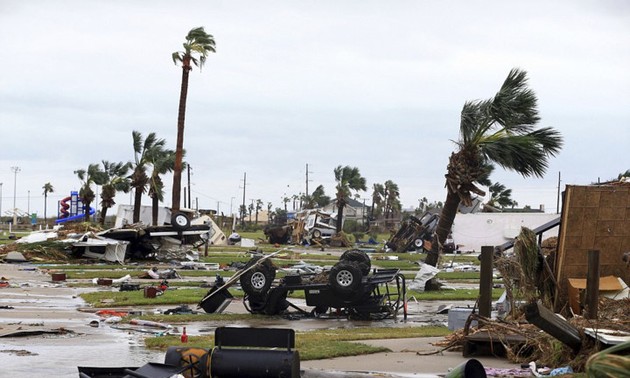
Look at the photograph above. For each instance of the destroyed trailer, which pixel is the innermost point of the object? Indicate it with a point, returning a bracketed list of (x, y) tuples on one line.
[(414, 233), (351, 288)]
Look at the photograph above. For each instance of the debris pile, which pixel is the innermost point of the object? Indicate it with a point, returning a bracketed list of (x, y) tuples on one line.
[(529, 284)]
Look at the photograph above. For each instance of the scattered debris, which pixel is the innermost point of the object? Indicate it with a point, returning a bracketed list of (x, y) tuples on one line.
[(15, 257), (183, 309), (23, 332), (414, 233), (19, 352)]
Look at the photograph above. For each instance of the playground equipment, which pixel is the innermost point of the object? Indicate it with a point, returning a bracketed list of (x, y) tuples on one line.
[(75, 210)]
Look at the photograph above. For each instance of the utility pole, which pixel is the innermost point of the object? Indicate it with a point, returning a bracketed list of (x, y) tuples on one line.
[(0, 203), (189, 206), (558, 199), (243, 210), (15, 170), (307, 180)]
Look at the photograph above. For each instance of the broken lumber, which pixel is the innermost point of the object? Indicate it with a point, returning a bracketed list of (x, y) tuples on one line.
[(548, 321)]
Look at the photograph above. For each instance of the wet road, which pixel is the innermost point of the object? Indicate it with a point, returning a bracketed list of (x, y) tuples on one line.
[(40, 304)]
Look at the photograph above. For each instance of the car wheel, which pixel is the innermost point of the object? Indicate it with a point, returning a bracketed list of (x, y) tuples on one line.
[(180, 221), (359, 257), (258, 280), (345, 277), (317, 234), (418, 243)]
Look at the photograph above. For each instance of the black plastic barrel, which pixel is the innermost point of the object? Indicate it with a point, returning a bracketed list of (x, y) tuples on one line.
[(228, 363)]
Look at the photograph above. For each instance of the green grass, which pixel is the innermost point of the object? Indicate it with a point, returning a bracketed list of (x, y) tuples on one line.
[(459, 275), (102, 299), (320, 344), (190, 318), (176, 296), (455, 295)]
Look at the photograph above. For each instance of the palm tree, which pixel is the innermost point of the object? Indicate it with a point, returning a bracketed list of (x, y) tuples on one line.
[(162, 161), (378, 196), (197, 42), (93, 175), (348, 179), (500, 196), (319, 197), (259, 206), (116, 180), (143, 150), (48, 188), (392, 201), (497, 131)]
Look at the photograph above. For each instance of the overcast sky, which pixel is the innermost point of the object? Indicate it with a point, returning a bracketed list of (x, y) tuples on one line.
[(378, 85)]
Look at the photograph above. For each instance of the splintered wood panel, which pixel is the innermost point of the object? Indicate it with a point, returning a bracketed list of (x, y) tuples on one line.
[(593, 217)]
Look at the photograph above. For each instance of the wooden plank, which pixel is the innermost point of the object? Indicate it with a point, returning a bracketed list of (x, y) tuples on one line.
[(485, 282), (592, 284), (548, 321)]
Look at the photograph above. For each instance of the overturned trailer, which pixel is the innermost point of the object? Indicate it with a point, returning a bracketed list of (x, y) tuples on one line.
[(351, 288), (414, 233)]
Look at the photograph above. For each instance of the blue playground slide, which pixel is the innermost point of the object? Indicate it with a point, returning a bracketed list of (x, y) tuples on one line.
[(74, 217)]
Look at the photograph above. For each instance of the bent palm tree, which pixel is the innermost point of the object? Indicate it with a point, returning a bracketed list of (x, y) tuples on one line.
[(378, 196), (497, 131), (116, 180), (392, 200), (197, 42), (348, 179), (143, 150), (500, 196), (93, 175)]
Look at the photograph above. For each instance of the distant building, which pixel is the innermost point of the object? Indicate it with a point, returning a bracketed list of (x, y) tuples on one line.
[(354, 210)]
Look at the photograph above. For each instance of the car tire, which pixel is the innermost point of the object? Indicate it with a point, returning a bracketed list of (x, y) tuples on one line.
[(257, 281), (345, 277), (359, 257), (180, 221), (418, 243), (317, 234)]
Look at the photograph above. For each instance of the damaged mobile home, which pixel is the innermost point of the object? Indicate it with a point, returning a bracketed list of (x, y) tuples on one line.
[(139, 241)]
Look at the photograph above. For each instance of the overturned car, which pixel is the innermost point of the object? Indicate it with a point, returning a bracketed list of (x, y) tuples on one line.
[(351, 288)]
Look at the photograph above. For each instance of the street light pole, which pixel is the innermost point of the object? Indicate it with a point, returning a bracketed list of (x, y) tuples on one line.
[(0, 203), (15, 172)]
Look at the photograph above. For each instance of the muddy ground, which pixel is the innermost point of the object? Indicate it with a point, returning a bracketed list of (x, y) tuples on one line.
[(35, 304)]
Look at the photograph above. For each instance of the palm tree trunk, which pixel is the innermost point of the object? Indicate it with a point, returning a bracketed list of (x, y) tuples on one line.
[(103, 215), (340, 217), (86, 210), (45, 202), (179, 148), (155, 203), (137, 204), (443, 227)]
